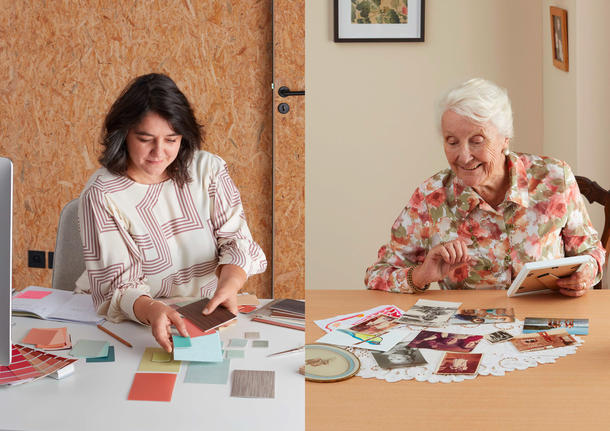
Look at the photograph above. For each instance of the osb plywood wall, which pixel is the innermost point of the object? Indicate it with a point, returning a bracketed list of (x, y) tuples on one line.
[(289, 150), (62, 63)]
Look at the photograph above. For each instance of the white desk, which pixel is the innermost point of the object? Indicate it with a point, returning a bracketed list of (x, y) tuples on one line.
[(95, 396)]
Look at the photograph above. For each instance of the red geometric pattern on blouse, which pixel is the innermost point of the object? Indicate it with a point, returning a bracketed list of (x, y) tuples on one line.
[(185, 275)]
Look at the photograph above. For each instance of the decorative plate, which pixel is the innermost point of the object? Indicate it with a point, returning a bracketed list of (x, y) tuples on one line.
[(328, 363)]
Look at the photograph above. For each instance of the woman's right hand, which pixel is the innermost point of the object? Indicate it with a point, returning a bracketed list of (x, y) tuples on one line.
[(439, 262), (160, 317)]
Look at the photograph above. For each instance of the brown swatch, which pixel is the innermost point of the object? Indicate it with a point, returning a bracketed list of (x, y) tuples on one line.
[(193, 310), (253, 384)]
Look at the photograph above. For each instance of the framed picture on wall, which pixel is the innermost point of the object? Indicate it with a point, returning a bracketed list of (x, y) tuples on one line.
[(379, 20), (559, 37)]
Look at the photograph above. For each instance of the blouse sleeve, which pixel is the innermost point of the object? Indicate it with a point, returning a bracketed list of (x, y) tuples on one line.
[(408, 246), (579, 235), (112, 259), (234, 241)]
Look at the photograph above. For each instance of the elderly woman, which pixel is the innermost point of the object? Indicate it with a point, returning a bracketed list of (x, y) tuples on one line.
[(161, 218), (475, 225)]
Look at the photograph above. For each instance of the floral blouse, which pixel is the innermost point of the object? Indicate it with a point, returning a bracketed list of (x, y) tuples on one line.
[(542, 217)]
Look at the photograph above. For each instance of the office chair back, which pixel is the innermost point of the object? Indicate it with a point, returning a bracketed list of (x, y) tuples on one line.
[(595, 193), (68, 261)]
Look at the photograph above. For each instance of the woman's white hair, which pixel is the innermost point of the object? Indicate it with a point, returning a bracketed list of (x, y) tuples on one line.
[(483, 102)]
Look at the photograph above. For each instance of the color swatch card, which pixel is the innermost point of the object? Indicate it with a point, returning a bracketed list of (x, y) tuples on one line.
[(206, 348), (90, 349), (107, 358), (217, 318), (253, 384), (154, 359), (28, 364), (152, 387), (48, 338), (208, 372)]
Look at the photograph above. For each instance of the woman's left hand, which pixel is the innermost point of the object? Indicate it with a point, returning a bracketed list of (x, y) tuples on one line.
[(578, 283), (230, 281)]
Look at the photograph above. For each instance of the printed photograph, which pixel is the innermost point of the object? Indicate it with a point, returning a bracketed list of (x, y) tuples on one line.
[(379, 11), (573, 326), (399, 356), (424, 313), (543, 340), (498, 337), (445, 341), (375, 325), (483, 315), (557, 38), (460, 363)]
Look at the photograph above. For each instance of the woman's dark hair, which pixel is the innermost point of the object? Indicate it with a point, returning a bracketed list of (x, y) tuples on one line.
[(151, 93)]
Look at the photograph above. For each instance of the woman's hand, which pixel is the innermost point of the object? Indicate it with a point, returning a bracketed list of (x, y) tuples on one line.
[(578, 283), (230, 280), (439, 261), (160, 317)]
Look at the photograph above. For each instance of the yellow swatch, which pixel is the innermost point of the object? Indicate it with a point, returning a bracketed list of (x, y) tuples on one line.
[(147, 363)]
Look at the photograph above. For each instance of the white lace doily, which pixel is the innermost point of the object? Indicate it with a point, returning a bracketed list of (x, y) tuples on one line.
[(496, 361)]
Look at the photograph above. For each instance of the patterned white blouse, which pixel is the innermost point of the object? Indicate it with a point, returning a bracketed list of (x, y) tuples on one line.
[(162, 240)]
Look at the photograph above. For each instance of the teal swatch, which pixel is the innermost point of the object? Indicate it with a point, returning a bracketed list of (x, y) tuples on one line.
[(237, 342), (208, 372), (108, 358), (181, 341), (235, 354)]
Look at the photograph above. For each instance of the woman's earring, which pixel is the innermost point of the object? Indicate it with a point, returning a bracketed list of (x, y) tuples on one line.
[(506, 151)]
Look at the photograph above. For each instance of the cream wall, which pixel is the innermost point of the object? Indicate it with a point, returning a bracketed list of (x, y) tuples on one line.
[(576, 103), (371, 133)]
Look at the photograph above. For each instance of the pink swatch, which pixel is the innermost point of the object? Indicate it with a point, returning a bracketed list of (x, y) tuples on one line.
[(32, 294)]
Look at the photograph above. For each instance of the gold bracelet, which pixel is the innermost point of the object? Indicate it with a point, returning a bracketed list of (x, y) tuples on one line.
[(412, 284)]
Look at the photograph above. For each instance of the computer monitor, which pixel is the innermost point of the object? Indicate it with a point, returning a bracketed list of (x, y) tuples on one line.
[(6, 258)]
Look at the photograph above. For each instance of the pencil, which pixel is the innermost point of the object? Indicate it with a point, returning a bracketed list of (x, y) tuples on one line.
[(370, 338), (113, 335)]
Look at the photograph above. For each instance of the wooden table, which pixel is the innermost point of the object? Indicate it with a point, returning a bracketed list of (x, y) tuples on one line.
[(573, 393)]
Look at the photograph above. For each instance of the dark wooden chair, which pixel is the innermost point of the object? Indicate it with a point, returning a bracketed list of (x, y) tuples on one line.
[(595, 193)]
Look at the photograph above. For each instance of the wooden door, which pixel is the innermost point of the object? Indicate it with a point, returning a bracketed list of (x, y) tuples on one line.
[(289, 150)]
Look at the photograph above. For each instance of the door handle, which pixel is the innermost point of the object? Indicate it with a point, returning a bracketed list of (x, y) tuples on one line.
[(285, 92)]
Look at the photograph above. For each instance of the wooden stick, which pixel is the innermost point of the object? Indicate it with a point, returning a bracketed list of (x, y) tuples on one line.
[(113, 335)]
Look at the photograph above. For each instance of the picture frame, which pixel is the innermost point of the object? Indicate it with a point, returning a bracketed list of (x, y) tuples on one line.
[(379, 20), (559, 38)]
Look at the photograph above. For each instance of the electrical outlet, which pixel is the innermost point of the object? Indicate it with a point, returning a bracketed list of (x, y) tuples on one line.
[(36, 259), (50, 256)]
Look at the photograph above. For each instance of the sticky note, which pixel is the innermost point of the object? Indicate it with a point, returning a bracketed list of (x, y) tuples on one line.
[(152, 387), (237, 342), (108, 358), (251, 335), (90, 349), (260, 343), (162, 356), (181, 341), (147, 364), (40, 336), (206, 348), (33, 294), (208, 372), (235, 354)]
